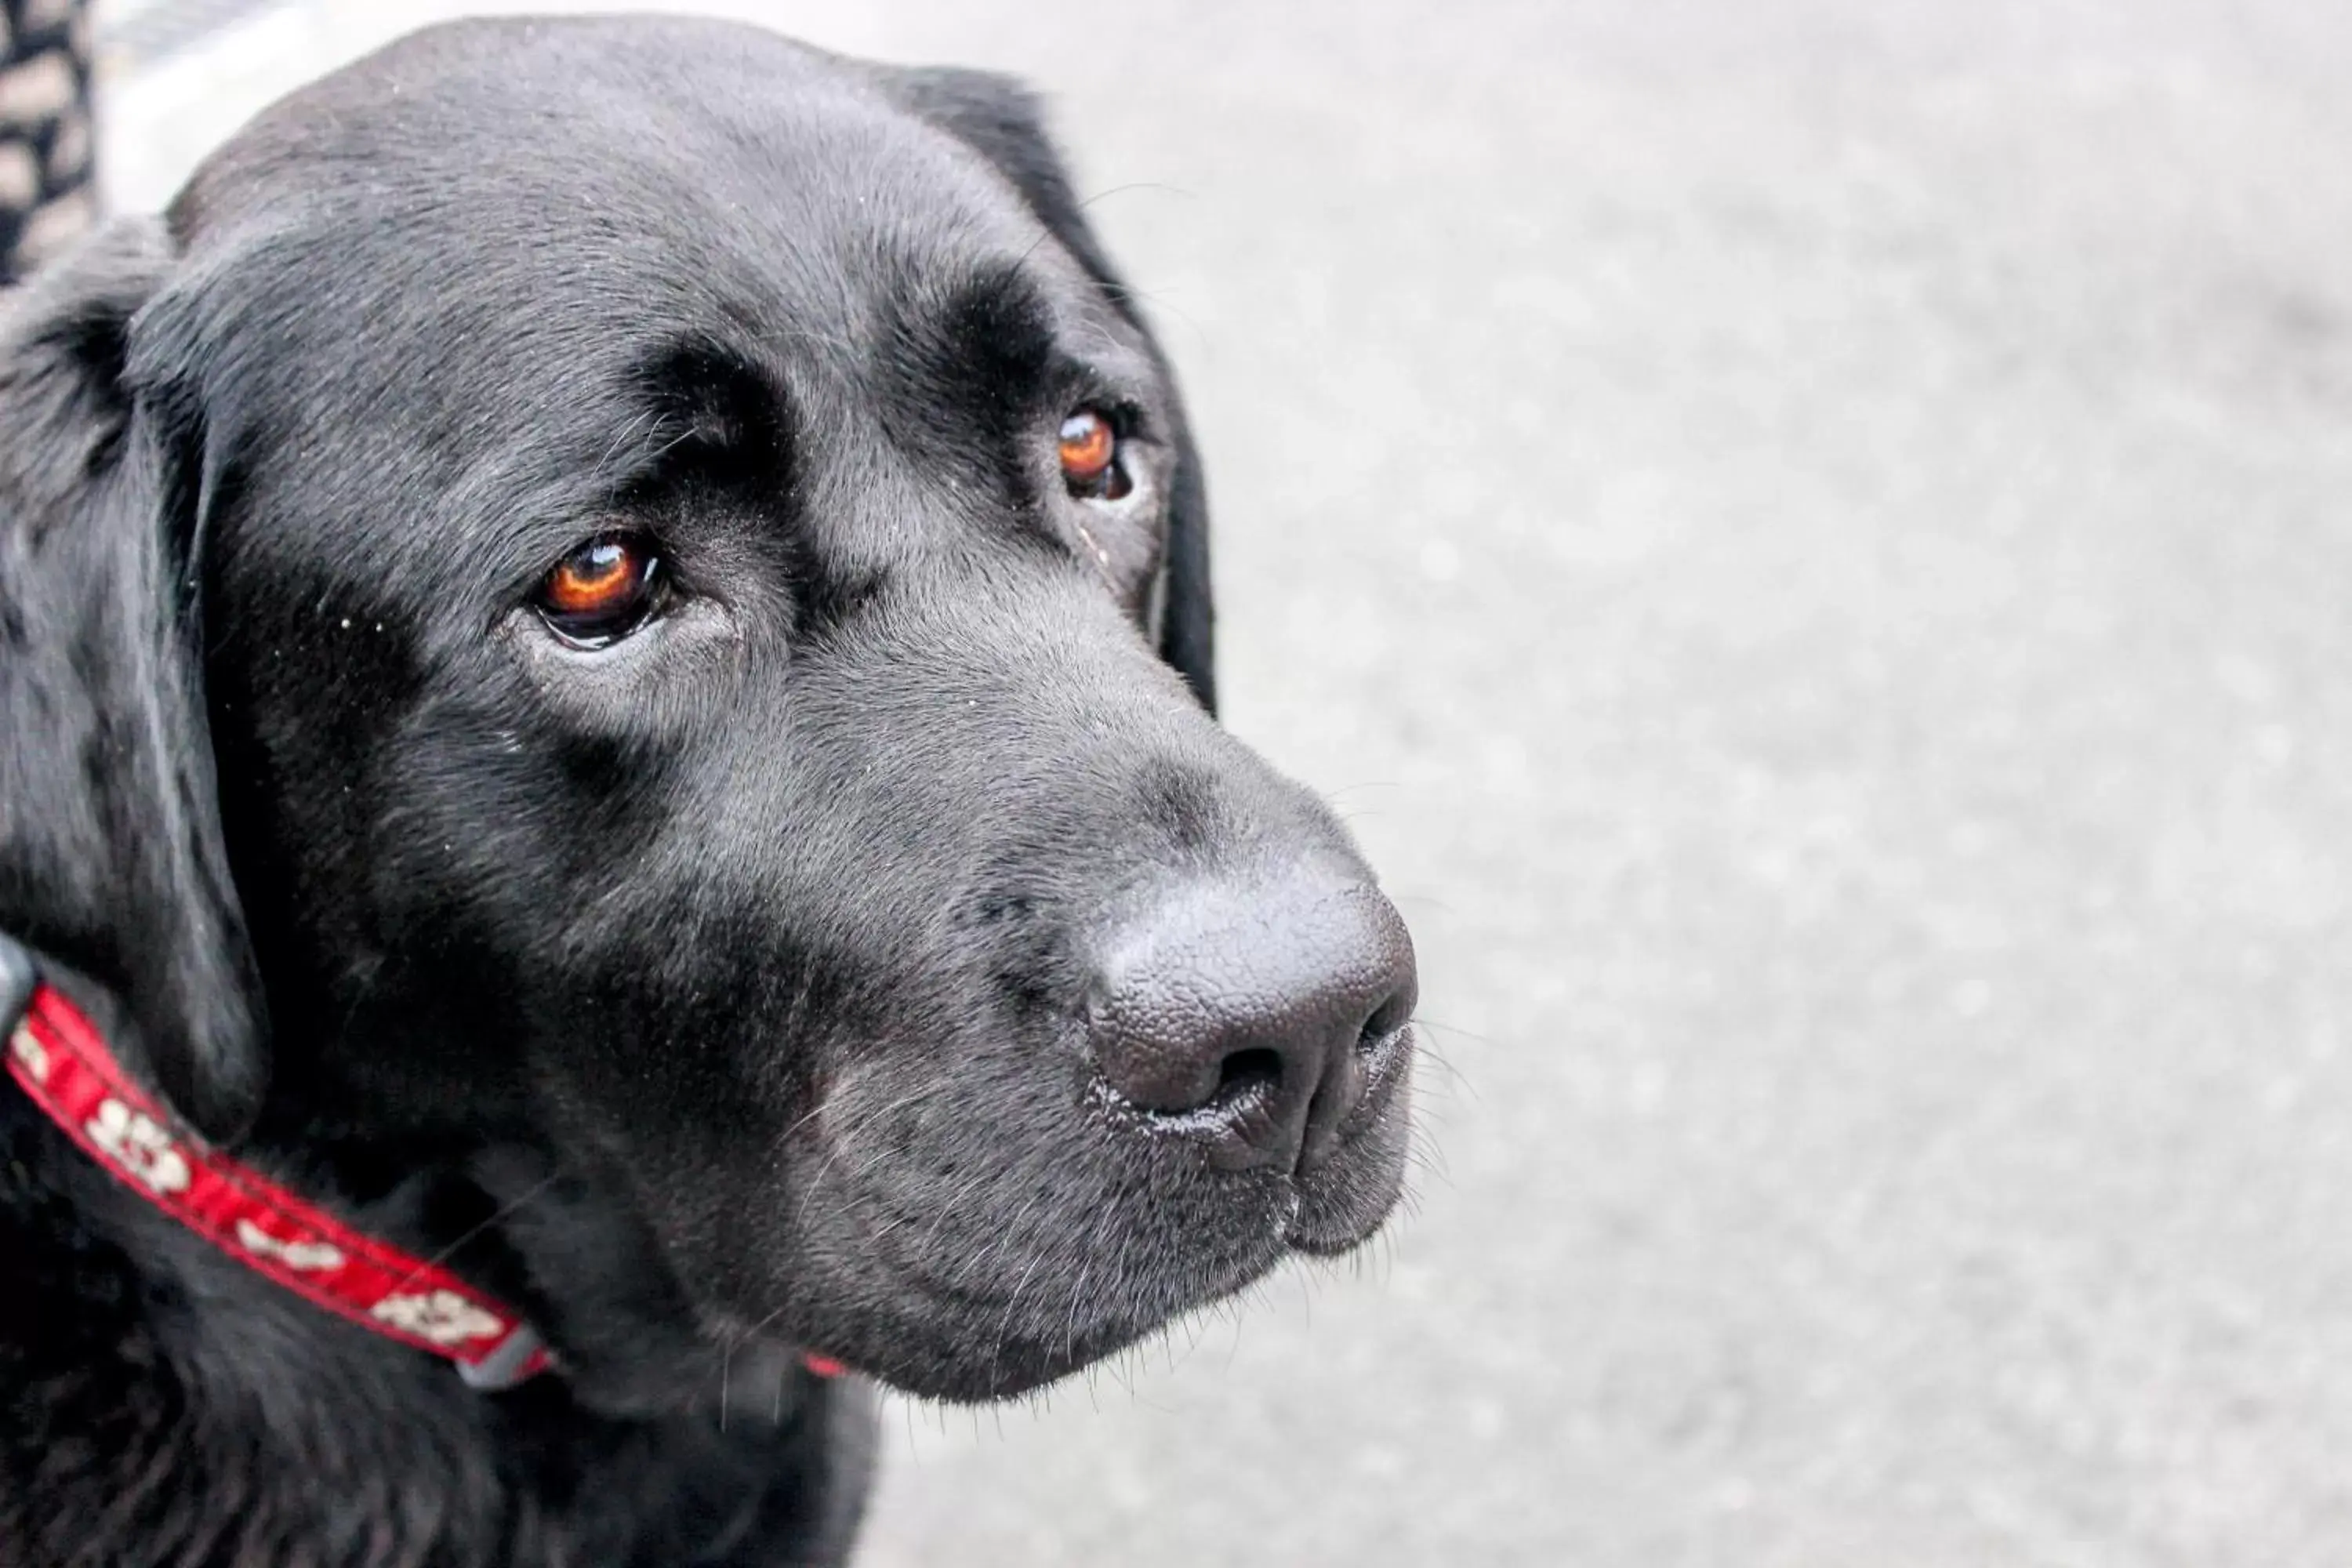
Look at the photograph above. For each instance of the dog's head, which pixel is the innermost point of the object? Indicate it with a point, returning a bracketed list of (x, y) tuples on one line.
[(641, 592)]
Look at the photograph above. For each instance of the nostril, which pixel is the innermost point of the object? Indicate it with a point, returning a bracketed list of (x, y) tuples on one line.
[(1387, 1019), (1244, 1073)]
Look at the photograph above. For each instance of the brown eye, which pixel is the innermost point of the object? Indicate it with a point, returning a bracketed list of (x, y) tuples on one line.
[(1090, 454), (601, 592)]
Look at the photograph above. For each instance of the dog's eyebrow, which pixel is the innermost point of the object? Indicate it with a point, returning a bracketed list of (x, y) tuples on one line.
[(1002, 338), (686, 407), (699, 398), (997, 323)]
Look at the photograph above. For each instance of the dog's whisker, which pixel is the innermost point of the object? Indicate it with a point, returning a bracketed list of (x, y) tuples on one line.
[(1427, 1163), (1011, 1234), (1443, 1085), (847, 1131), (1012, 1308), (1161, 186), (1160, 302), (953, 1200), (1428, 1154), (504, 1211), (1454, 1029)]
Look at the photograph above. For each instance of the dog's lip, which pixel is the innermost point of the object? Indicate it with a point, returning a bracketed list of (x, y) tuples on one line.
[(1344, 1200), (1388, 1069), (956, 1292), (1114, 1320), (1323, 1212)]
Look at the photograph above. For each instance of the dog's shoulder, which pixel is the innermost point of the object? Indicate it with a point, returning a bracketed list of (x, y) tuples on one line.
[(111, 1451), (91, 1467)]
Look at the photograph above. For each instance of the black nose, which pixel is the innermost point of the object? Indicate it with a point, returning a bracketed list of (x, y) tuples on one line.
[(1256, 1013)]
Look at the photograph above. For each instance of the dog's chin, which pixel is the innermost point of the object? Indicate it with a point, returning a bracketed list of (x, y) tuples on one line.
[(976, 1352), (1016, 1368), (970, 1348)]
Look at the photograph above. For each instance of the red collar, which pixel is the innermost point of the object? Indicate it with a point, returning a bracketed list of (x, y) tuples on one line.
[(58, 1058)]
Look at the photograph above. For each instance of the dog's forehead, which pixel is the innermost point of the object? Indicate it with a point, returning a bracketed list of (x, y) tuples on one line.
[(609, 164), (443, 271)]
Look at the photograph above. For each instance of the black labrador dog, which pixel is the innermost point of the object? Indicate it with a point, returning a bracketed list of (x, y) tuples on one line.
[(604, 671)]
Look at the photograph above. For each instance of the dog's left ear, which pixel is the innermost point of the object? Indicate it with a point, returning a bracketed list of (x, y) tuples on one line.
[(111, 860), (999, 119)]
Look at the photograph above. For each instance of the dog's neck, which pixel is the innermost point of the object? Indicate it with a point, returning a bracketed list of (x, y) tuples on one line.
[(153, 1371), (63, 1065), (498, 1221), (173, 1405)]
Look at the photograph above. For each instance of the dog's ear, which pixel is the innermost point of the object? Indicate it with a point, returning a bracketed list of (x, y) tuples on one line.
[(999, 119), (112, 861)]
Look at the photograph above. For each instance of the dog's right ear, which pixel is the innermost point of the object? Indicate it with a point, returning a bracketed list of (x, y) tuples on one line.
[(111, 860)]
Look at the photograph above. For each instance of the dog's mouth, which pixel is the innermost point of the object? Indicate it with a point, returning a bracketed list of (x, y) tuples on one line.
[(1043, 1263), (1058, 1143), (1343, 1202)]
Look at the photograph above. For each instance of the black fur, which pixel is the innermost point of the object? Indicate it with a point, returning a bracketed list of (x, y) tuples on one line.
[(712, 994)]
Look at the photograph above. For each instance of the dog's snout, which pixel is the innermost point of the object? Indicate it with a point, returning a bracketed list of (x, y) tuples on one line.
[(1257, 1015)]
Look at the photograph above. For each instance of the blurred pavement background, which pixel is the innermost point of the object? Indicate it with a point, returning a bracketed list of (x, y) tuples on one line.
[(1811, 538)]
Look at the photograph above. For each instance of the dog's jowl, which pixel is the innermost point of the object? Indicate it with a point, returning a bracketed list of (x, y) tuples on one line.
[(610, 807)]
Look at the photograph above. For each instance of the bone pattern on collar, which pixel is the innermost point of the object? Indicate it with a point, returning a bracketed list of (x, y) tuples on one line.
[(59, 1059)]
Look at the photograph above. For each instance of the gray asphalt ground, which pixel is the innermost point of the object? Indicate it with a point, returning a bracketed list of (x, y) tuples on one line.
[(1811, 538)]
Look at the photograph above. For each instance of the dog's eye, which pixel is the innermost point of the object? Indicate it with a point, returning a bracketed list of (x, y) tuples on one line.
[(1090, 454), (603, 590)]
